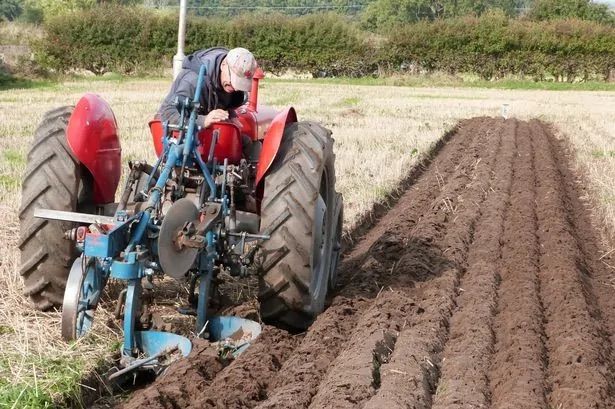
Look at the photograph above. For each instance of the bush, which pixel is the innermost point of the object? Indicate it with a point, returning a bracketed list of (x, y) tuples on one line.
[(494, 46), (133, 40), (579, 9), (129, 40)]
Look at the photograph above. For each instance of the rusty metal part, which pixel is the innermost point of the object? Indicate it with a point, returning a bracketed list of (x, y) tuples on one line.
[(139, 363), (188, 238), (211, 214), (175, 259)]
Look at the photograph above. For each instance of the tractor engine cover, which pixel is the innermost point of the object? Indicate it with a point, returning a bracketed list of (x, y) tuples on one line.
[(228, 145)]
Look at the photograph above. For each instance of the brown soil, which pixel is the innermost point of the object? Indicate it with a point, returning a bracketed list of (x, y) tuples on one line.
[(483, 286)]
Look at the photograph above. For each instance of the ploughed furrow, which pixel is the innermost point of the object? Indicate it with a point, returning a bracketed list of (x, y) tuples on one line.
[(466, 359), (415, 273), (175, 388), (245, 382), (296, 382), (578, 351), (416, 359), (203, 380), (364, 306), (484, 286), (418, 198), (518, 367), (368, 272), (350, 379)]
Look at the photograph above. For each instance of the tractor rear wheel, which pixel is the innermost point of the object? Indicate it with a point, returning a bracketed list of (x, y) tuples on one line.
[(55, 180), (297, 211)]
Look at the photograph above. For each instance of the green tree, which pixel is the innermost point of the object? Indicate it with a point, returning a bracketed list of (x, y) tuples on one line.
[(10, 9), (37, 10), (458, 8), (386, 13), (225, 8), (582, 9)]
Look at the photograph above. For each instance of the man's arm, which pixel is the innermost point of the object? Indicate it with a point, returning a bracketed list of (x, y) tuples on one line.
[(183, 87)]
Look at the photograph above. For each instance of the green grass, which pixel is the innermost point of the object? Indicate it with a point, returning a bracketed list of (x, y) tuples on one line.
[(437, 81), (420, 81), (8, 82), (49, 380), (14, 157), (9, 182), (600, 154), (349, 102), (288, 99), (429, 96)]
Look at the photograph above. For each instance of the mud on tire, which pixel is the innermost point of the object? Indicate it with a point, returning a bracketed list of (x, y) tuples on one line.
[(295, 260), (53, 180)]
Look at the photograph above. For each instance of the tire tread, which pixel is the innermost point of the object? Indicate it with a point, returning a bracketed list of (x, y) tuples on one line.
[(291, 190), (51, 181)]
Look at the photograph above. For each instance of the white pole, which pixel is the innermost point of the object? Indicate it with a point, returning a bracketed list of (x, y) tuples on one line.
[(178, 59)]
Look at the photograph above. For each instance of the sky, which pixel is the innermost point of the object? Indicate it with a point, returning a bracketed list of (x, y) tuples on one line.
[(611, 3)]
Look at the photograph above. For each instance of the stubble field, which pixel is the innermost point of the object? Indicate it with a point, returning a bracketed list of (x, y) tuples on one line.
[(426, 272)]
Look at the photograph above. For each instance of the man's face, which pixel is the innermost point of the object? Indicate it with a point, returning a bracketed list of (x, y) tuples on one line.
[(225, 77)]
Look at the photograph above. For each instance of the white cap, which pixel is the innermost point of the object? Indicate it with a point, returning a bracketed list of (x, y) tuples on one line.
[(242, 65)]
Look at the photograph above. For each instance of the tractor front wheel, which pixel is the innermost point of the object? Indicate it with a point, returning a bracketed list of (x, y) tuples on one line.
[(55, 180), (297, 211)]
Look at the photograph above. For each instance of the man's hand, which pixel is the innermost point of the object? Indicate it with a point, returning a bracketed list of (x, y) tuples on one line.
[(217, 115)]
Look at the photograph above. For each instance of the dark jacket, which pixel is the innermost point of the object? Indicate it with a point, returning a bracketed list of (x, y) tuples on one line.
[(213, 95)]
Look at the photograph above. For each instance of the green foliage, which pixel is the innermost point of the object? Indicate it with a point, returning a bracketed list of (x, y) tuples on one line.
[(383, 14), (50, 378), (35, 11), (32, 13), (133, 40), (130, 40), (10, 9), (51, 8), (580, 9), (231, 8), (494, 46)]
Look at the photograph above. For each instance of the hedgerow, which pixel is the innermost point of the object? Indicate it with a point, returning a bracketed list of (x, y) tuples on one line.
[(130, 40), (133, 40), (494, 46)]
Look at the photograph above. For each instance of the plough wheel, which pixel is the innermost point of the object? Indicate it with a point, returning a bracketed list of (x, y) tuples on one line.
[(297, 210), (83, 289), (53, 180)]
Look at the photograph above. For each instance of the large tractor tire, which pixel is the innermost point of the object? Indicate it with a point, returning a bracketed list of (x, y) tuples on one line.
[(297, 211), (55, 180)]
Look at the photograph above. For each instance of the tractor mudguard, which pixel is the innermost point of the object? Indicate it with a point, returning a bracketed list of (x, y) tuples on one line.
[(273, 138), (93, 138)]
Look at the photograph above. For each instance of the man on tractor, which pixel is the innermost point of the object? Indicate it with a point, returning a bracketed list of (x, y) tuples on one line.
[(228, 78)]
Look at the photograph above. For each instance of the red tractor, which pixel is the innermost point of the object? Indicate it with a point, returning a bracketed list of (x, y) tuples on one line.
[(207, 205)]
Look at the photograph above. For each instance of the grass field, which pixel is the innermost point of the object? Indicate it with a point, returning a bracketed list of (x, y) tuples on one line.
[(380, 131)]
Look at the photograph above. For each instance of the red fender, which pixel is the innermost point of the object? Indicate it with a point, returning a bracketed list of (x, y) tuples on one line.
[(273, 138), (157, 130), (92, 136)]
